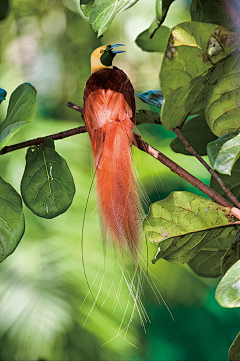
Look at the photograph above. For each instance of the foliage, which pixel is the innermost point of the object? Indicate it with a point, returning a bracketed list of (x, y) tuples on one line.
[(199, 94)]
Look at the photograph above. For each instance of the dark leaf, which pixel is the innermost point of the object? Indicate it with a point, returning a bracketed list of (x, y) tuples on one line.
[(147, 116), (234, 351), (231, 255), (47, 185), (4, 9), (12, 224), (197, 133)]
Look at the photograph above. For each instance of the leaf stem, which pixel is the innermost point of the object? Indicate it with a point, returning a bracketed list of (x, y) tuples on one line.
[(202, 161)]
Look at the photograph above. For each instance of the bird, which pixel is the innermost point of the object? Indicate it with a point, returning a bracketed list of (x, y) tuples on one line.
[(109, 113)]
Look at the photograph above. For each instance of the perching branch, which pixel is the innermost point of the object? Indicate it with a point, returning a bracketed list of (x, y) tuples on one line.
[(145, 147), (201, 160)]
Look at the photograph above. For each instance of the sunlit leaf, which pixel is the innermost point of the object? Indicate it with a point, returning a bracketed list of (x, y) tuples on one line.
[(203, 42), (228, 290), (12, 222), (147, 116), (157, 43), (21, 110), (152, 97), (197, 133), (224, 152), (222, 106), (183, 223), (47, 185), (3, 95), (86, 6), (207, 262), (231, 182), (210, 11), (102, 12), (234, 351)]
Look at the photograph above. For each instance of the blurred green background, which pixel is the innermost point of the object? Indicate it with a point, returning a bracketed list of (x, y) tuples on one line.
[(46, 311)]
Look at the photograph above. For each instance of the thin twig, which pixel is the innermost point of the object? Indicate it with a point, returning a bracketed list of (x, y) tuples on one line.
[(37, 141), (145, 147), (201, 160)]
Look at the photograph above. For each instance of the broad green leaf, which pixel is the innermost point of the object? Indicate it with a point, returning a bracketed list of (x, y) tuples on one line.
[(3, 95), (4, 9), (203, 42), (104, 11), (234, 351), (181, 101), (21, 110), (207, 262), (47, 185), (12, 224), (232, 254), (157, 43), (147, 116), (222, 106), (183, 223), (224, 152), (152, 97), (231, 182), (228, 290), (197, 133), (210, 11)]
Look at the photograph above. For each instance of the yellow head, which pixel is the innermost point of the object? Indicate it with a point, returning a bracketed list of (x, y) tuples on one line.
[(102, 57)]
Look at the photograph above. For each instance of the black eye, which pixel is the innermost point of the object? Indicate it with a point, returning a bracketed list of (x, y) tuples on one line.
[(101, 51)]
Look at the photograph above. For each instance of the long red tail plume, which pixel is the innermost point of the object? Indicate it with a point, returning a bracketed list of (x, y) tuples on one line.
[(107, 116)]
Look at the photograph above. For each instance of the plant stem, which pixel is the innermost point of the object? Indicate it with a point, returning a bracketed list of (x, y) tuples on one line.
[(201, 160)]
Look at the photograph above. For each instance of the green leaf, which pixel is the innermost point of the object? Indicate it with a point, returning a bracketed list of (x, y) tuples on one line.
[(228, 290), (3, 95), (183, 223), (224, 152), (207, 262), (152, 97), (147, 116), (104, 11), (181, 101), (21, 110), (197, 133), (157, 43), (222, 106), (234, 351), (47, 185), (12, 224), (210, 11), (4, 9), (203, 42), (231, 182)]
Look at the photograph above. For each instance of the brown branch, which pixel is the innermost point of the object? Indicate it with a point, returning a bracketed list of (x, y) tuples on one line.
[(232, 10), (75, 107), (145, 147), (201, 160), (37, 141)]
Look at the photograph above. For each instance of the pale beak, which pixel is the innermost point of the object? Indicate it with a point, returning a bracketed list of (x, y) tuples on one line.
[(117, 51)]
